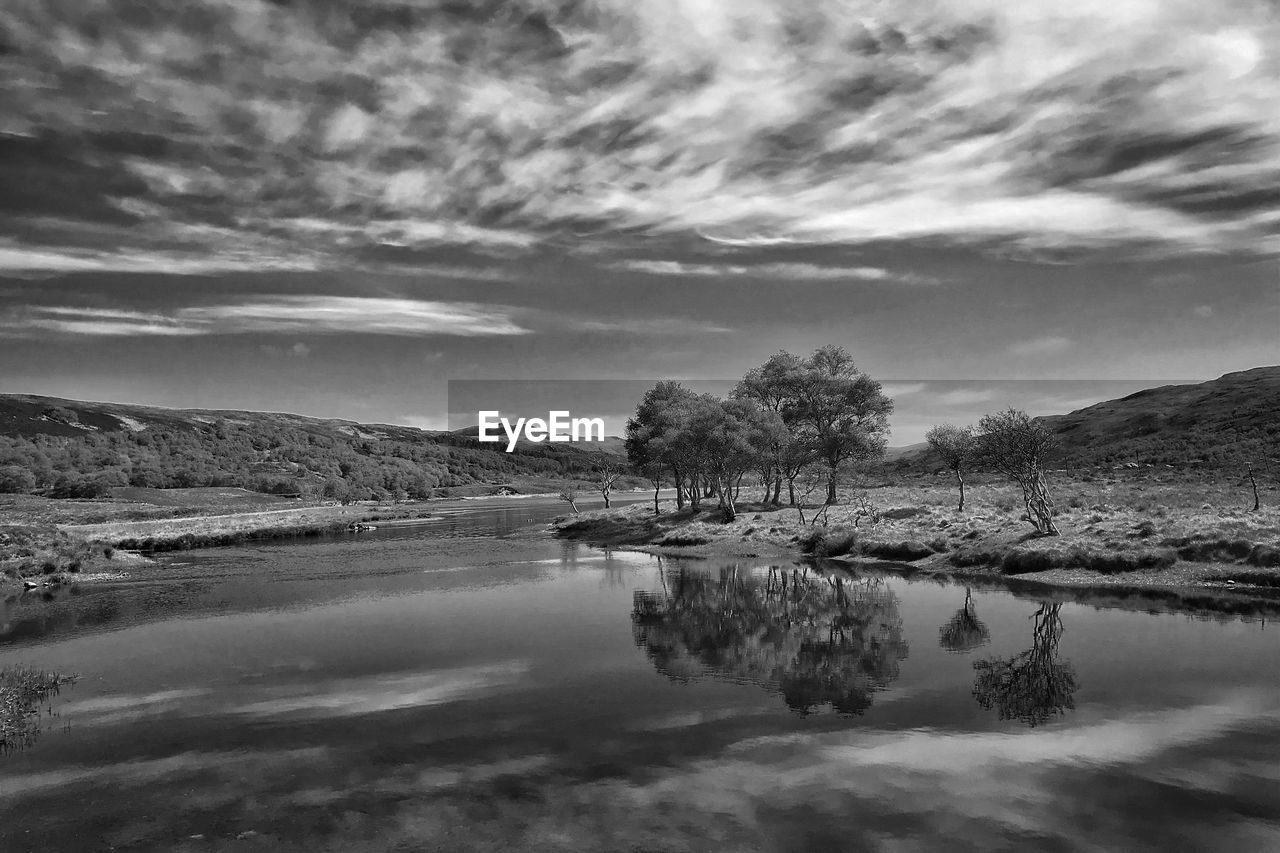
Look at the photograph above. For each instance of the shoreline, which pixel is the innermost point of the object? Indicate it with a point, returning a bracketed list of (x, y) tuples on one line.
[(1229, 553)]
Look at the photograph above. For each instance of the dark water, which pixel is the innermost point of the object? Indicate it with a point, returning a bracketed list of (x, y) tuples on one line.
[(448, 687)]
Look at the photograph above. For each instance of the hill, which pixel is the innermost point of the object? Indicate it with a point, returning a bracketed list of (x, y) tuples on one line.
[(1223, 422), (73, 448)]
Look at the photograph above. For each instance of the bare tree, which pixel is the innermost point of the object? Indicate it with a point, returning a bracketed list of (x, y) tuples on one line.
[(607, 473), (1017, 447), (569, 494), (956, 447), (1257, 501)]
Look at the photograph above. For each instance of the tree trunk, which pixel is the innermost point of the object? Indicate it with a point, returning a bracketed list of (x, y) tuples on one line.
[(1039, 506), (574, 506), (657, 487), (791, 490), (777, 490), (675, 475), (831, 488), (1257, 502), (726, 499), (695, 493), (605, 493), (960, 480)]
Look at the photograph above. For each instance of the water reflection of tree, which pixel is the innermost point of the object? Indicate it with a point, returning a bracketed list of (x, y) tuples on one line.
[(1033, 686), (965, 631), (815, 639)]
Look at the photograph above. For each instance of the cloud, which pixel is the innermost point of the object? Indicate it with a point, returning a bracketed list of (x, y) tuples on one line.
[(650, 326), (374, 694), (1046, 345), (1203, 311), (277, 315), (298, 350), (1035, 127), (774, 270), (902, 389), (966, 397)]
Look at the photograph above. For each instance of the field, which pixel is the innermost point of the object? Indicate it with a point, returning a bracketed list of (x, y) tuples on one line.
[(1115, 531)]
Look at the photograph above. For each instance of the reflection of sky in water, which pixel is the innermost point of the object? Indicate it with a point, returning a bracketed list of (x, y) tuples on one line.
[(508, 706)]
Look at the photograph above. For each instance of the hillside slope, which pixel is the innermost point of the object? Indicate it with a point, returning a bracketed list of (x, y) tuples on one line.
[(1222, 422), (77, 448)]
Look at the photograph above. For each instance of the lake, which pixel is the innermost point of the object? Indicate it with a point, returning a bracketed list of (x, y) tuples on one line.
[(467, 684)]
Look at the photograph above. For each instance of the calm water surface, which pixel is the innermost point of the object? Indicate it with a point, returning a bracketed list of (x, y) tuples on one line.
[(447, 686)]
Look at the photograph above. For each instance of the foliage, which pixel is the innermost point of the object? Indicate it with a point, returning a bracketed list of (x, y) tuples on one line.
[(1033, 686), (816, 640), (271, 456), (1018, 447), (785, 417)]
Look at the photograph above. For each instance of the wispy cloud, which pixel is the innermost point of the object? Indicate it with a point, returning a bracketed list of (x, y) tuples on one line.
[(1044, 345), (650, 326), (773, 270), (1038, 126), (277, 315)]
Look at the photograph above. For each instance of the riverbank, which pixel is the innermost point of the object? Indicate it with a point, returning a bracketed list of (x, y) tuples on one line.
[(1156, 537), (45, 542)]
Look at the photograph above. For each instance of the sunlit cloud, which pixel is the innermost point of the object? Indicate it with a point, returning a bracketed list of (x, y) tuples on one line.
[(902, 389), (275, 315), (1035, 127), (353, 314), (773, 270), (373, 694)]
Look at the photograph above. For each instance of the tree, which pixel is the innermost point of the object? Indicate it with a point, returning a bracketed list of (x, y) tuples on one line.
[(16, 480), (956, 447), (1017, 447), (336, 489), (773, 387), (1033, 686), (743, 627), (653, 435), (727, 439), (569, 494), (843, 411), (964, 632), (607, 472)]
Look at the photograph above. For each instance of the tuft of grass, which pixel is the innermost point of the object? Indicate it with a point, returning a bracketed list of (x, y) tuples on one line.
[(22, 690)]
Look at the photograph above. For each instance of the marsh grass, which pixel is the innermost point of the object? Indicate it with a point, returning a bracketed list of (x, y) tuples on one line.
[(23, 690)]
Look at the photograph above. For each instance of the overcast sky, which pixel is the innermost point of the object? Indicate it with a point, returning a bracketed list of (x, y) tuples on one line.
[(334, 207)]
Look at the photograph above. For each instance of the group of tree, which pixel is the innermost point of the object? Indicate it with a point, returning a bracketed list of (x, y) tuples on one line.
[(1010, 443), (786, 417), (816, 640), (269, 457)]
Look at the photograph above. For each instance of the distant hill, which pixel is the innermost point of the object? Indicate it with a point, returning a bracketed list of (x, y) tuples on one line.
[(1225, 421), (610, 444), (76, 448)]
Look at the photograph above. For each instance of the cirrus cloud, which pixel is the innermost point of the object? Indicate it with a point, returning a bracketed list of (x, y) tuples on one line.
[(305, 131)]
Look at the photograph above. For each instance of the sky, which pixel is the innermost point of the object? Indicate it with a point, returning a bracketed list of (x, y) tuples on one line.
[(336, 207)]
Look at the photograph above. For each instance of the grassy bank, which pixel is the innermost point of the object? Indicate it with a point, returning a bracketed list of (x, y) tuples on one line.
[(45, 541), (172, 534), (41, 554), (1122, 534)]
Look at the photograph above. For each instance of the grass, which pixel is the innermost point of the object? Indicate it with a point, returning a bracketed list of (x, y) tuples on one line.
[(22, 691), (1136, 529), (28, 551)]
